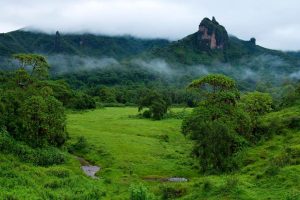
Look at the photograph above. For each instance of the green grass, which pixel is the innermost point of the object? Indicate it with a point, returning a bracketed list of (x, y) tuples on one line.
[(129, 150), (26, 181)]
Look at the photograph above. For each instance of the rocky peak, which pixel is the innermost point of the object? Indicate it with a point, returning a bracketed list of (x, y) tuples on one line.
[(211, 35), (253, 41), (57, 42)]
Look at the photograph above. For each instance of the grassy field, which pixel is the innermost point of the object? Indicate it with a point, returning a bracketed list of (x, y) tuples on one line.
[(131, 150)]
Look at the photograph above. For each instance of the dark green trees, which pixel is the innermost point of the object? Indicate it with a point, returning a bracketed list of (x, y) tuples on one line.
[(43, 121), (256, 104), (158, 107), (217, 125), (28, 109), (38, 64)]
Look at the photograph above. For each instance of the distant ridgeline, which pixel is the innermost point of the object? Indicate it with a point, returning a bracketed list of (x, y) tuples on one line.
[(210, 45), (22, 41)]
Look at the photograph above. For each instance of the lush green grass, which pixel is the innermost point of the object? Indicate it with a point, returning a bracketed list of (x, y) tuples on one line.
[(20, 180), (130, 149)]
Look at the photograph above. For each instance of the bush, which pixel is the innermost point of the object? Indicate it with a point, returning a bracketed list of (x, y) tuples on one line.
[(83, 101), (156, 104), (207, 185), (59, 172), (147, 114), (164, 138), (231, 183), (218, 126), (216, 143), (277, 122), (293, 122), (140, 192), (80, 145), (48, 156), (39, 156), (172, 192)]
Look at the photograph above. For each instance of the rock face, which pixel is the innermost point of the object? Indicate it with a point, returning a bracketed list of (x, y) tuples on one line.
[(57, 42), (211, 35)]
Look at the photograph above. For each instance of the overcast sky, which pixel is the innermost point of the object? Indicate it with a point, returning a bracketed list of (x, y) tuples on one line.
[(274, 23)]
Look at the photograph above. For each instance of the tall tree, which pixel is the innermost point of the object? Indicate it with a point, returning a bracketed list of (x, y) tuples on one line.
[(39, 65), (217, 125)]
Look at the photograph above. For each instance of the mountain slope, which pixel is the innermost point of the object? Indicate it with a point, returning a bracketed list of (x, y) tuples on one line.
[(209, 44), (75, 44)]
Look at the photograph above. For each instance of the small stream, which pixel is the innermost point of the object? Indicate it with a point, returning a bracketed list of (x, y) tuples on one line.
[(88, 169)]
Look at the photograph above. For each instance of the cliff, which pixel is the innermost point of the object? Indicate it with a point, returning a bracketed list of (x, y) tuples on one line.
[(211, 35)]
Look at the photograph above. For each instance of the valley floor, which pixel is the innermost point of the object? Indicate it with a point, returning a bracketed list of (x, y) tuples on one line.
[(130, 150)]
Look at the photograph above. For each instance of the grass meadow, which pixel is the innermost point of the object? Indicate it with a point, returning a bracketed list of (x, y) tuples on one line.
[(133, 151)]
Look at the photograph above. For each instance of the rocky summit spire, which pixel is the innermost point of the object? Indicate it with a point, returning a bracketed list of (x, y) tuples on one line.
[(211, 35), (57, 42)]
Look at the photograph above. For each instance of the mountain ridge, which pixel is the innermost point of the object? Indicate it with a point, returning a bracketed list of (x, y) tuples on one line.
[(210, 43)]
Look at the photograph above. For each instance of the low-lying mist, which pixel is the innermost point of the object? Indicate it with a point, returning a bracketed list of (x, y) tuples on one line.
[(249, 71)]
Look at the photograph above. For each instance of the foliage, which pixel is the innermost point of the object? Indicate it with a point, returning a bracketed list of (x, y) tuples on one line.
[(80, 145), (39, 156), (291, 95), (278, 122), (257, 103), (29, 111), (216, 139), (43, 121), (217, 125), (83, 101), (140, 192), (158, 107), (173, 192), (217, 88), (38, 64)]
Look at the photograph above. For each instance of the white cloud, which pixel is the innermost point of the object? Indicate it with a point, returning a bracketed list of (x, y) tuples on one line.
[(275, 23)]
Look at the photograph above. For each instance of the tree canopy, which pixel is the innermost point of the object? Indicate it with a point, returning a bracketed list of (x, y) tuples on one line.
[(217, 125)]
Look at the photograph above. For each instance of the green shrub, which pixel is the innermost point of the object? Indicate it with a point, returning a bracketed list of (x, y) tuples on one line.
[(164, 138), (292, 196), (272, 170), (230, 184), (293, 122), (156, 104), (39, 156), (172, 192), (82, 101), (59, 172), (140, 192), (207, 185), (49, 156), (80, 145), (147, 114), (278, 122)]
